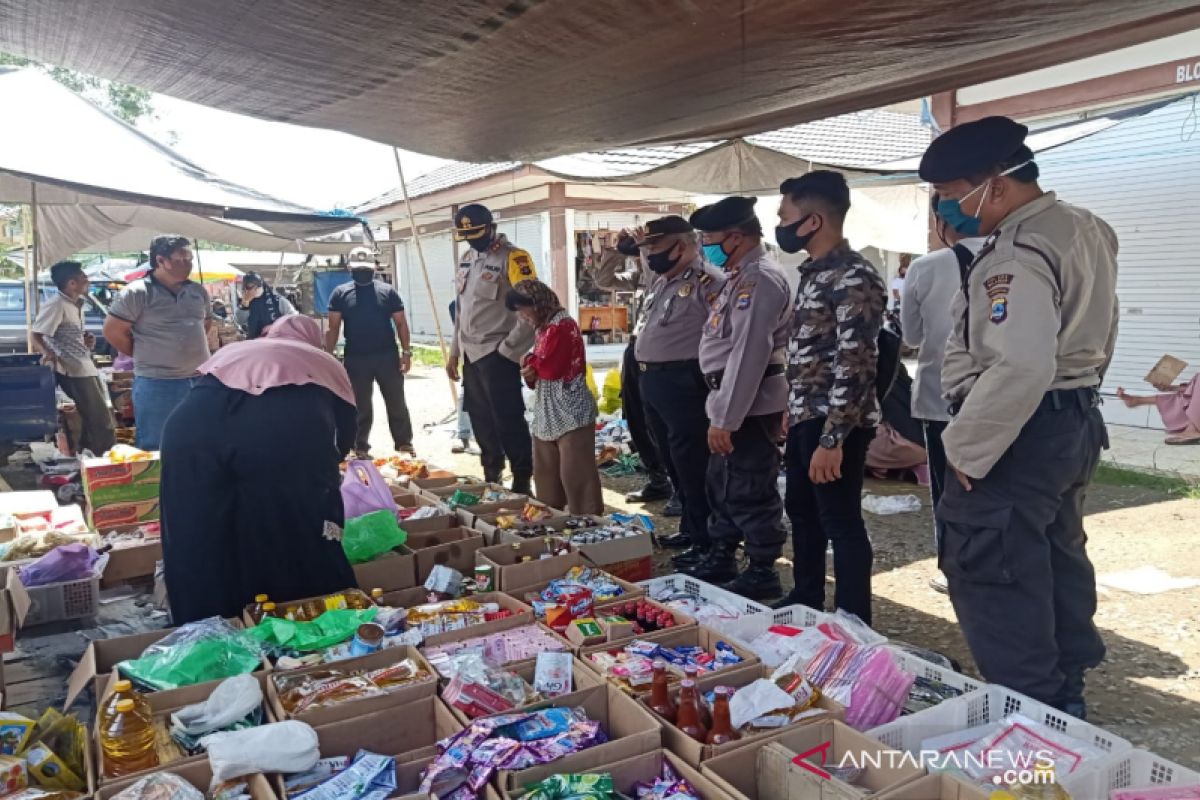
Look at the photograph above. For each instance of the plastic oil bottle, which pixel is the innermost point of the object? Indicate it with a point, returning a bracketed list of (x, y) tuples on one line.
[(123, 690), (127, 740)]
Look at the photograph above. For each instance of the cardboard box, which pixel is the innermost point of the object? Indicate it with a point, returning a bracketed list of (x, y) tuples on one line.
[(130, 563), (452, 547), (444, 493), (552, 572), (498, 626), (694, 752), (682, 620), (392, 698), (100, 474), (283, 606), (582, 679), (635, 570), (444, 519), (14, 607), (105, 518), (511, 572), (483, 518), (684, 637), (647, 767), (631, 730), (408, 598), (614, 551), (199, 775), (585, 631), (766, 772), (936, 787), (392, 571)]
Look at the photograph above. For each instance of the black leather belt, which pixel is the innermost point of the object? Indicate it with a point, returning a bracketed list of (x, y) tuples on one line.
[(1055, 400), (657, 366), (713, 379)]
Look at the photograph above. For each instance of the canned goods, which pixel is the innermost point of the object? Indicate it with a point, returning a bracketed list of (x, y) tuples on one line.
[(367, 639), (485, 578)]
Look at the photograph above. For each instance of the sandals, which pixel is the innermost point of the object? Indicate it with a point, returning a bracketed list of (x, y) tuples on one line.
[(1182, 440)]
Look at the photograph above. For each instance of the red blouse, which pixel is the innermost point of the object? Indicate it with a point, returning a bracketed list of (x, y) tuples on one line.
[(558, 351)]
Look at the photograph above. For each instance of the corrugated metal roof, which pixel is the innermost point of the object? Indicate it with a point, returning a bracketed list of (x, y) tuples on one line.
[(444, 177)]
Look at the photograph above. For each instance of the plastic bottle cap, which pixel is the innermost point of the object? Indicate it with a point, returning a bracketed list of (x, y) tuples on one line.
[(377, 593), (268, 606), (260, 598), (124, 706), (122, 686)]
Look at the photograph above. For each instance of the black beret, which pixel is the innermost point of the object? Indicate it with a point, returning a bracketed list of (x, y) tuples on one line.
[(473, 216), (724, 214), (665, 226), (972, 148)]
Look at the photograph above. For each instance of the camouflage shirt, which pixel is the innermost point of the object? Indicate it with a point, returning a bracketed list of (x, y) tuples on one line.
[(831, 355)]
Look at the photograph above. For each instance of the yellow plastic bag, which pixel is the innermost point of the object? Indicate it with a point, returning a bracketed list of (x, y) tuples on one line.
[(589, 377), (610, 401)]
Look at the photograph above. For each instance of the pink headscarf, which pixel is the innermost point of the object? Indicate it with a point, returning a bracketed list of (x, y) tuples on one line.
[(289, 354)]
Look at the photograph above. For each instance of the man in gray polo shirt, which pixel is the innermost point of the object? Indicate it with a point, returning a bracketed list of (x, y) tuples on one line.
[(162, 321)]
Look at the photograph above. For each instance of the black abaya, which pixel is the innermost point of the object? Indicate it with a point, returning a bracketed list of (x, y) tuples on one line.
[(248, 482)]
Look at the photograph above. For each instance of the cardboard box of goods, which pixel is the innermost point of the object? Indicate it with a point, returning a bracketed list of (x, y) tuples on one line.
[(517, 611), (635, 570), (199, 775), (936, 787), (103, 655), (444, 493), (391, 571), (452, 547), (107, 517), (438, 478), (610, 607), (126, 563), (582, 679), (678, 637), (766, 771), (282, 607), (357, 707), (162, 705), (694, 752), (486, 518), (631, 730), (445, 518), (576, 559), (648, 767), (614, 551), (14, 607), (511, 571), (100, 475), (555, 643)]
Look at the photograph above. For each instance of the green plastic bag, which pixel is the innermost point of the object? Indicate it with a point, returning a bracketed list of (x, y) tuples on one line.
[(207, 650), (332, 627), (461, 499), (371, 535)]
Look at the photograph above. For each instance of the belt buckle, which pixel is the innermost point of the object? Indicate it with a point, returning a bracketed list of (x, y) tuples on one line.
[(642, 366)]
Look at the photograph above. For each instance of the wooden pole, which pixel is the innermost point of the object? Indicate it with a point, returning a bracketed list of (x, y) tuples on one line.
[(412, 227), (27, 244)]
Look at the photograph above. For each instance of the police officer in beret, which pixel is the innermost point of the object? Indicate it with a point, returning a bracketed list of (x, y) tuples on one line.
[(742, 355), (1034, 327), (491, 341), (667, 350)]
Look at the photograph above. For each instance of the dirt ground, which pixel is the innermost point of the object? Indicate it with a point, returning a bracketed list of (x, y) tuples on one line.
[(1147, 690)]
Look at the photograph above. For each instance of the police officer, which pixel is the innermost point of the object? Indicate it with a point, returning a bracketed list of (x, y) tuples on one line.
[(1034, 328), (652, 454), (667, 349), (742, 354), (491, 342)]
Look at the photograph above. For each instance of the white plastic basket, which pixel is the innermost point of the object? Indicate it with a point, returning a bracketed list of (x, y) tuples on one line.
[(55, 602), (934, 672), (703, 591), (1141, 768), (991, 703)]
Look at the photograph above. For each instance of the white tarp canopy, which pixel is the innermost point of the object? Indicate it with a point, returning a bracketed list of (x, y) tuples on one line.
[(102, 185)]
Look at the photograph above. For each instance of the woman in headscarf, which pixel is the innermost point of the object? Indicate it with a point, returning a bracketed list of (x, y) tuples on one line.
[(250, 491), (564, 412)]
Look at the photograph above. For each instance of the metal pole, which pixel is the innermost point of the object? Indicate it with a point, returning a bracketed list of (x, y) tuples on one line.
[(412, 226), (27, 243), (37, 247)]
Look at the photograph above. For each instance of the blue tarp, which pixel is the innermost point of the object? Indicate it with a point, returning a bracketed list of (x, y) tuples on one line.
[(323, 285)]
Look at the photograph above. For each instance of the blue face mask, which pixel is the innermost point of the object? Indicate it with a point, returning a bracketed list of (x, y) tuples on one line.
[(951, 211), (715, 254)]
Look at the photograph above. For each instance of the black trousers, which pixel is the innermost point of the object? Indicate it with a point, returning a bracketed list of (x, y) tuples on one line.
[(827, 513), (937, 459), (492, 393), (383, 368), (674, 403), (1015, 555), (642, 436), (743, 492)]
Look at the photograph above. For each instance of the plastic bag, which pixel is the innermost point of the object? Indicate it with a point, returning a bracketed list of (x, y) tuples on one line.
[(364, 490), (326, 630), (891, 504), (610, 399), (371, 535), (69, 562), (233, 700), (206, 650), (165, 785), (289, 746), (589, 378)]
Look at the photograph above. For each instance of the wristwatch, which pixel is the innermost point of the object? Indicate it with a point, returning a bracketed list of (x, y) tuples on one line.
[(830, 440), (406, 353)]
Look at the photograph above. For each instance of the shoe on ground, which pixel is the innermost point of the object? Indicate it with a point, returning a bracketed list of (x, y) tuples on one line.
[(939, 585), (362, 455), (756, 583), (676, 540), (650, 492), (674, 507), (407, 449), (462, 447), (716, 568), (690, 557), (522, 486)]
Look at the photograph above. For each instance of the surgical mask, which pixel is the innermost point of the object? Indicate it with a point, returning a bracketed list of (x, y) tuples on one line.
[(483, 242), (970, 224), (791, 242), (715, 254), (662, 263), (363, 276)]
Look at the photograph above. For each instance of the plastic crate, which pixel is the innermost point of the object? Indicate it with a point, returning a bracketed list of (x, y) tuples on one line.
[(934, 672), (55, 602), (703, 591), (1141, 768), (991, 703)]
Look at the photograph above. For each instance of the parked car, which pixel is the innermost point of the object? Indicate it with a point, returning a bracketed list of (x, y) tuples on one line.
[(13, 330)]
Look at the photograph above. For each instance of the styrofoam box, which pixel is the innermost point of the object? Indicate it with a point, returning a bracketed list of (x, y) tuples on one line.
[(703, 591), (1140, 769), (991, 703)]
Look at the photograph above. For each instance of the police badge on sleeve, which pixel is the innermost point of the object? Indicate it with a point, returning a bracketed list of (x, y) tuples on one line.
[(997, 288)]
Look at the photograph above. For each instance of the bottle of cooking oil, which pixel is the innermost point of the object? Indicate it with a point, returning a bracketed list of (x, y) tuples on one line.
[(127, 740), (256, 610), (123, 690), (1043, 787)]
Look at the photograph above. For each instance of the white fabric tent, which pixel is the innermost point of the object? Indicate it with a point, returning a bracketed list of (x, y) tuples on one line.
[(101, 185)]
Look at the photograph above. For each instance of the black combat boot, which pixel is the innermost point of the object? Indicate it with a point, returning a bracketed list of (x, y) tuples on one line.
[(757, 582), (717, 567), (1071, 696), (690, 557), (657, 488), (674, 507), (522, 484), (676, 540)]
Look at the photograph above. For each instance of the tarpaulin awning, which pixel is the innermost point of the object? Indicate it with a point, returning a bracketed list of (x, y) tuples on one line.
[(496, 80), (103, 185)]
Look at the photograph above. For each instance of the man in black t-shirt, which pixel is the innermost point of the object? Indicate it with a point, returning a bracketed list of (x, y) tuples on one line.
[(374, 315)]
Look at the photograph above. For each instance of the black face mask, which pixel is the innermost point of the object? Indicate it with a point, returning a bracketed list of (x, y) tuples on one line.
[(483, 242), (791, 242), (662, 263), (363, 276)]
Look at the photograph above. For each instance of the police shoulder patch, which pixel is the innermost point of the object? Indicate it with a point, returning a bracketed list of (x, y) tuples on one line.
[(520, 266), (997, 287), (744, 294)]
